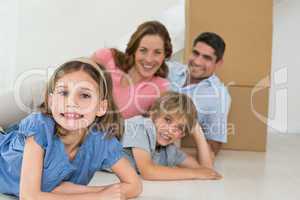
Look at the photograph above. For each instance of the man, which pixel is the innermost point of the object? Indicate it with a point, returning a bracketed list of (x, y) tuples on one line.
[(198, 80)]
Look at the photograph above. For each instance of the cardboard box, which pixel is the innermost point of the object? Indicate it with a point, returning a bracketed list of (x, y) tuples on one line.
[(246, 27), (247, 122)]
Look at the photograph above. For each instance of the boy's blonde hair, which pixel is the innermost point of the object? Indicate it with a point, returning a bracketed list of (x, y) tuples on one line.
[(111, 122), (175, 104)]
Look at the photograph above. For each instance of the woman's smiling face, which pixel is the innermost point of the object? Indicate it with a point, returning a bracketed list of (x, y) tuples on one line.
[(149, 56)]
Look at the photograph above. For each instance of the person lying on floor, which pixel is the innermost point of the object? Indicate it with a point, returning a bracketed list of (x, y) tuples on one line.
[(55, 152), (148, 141)]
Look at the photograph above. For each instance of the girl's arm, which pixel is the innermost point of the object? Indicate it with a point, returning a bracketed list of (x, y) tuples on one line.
[(71, 188), (152, 171), (31, 174), (131, 184)]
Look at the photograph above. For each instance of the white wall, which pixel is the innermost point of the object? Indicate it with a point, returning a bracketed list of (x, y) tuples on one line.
[(8, 41), (38, 34), (285, 89)]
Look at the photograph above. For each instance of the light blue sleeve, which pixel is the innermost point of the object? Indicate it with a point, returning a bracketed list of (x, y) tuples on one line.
[(213, 117), (175, 155), (136, 136), (176, 75)]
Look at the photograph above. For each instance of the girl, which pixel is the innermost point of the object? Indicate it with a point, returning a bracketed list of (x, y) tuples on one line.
[(56, 152), (139, 74), (148, 141)]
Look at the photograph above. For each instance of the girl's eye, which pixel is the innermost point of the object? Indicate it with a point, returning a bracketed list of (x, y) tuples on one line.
[(63, 93), (85, 96)]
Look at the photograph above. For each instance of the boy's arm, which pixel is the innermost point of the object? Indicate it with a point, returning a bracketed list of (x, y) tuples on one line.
[(205, 155), (152, 171)]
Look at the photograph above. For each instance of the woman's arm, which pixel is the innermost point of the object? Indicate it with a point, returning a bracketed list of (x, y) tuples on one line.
[(151, 171), (102, 56), (131, 184), (31, 175)]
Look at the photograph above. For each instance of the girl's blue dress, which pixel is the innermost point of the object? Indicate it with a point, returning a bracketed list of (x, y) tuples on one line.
[(97, 152)]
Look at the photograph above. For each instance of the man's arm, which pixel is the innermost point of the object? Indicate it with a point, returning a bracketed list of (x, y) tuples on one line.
[(214, 146)]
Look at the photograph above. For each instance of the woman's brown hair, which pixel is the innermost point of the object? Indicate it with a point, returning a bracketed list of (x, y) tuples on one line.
[(111, 122), (126, 61)]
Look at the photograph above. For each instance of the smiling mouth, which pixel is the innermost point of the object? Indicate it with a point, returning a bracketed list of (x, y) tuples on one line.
[(72, 115), (165, 136), (147, 66)]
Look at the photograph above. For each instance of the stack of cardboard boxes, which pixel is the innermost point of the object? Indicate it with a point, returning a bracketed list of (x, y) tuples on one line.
[(246, 27)]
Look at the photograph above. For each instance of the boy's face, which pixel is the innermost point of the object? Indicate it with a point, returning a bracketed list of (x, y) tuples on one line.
[(169, 128)]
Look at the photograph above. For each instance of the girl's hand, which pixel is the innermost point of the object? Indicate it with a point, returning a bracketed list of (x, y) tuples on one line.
[(112, 192), (205, 173)]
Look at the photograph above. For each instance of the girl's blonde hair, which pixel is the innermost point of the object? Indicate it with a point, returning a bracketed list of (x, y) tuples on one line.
[(111, 122), (175, 104)]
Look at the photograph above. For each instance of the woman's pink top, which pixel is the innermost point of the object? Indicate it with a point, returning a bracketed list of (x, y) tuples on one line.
[(134, 99)]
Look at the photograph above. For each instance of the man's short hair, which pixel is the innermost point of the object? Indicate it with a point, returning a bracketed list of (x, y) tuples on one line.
[(213, 40)]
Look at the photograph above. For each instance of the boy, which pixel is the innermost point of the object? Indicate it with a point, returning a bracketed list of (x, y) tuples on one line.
[(148, 141)]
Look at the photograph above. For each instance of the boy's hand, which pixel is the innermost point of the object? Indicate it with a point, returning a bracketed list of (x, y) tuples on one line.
[(205, 173)]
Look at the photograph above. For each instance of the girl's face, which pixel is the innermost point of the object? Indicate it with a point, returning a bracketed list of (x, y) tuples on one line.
[(75, 101), (149, 56), (169, 128)]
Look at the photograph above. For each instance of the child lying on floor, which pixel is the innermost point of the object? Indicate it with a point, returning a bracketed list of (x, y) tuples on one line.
[(148, 141)]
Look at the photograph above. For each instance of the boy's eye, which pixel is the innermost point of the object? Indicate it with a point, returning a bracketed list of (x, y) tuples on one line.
[(181, 129), (168, 120)]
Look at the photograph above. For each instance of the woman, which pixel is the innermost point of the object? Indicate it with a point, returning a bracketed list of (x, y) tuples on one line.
[(139, 74)]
